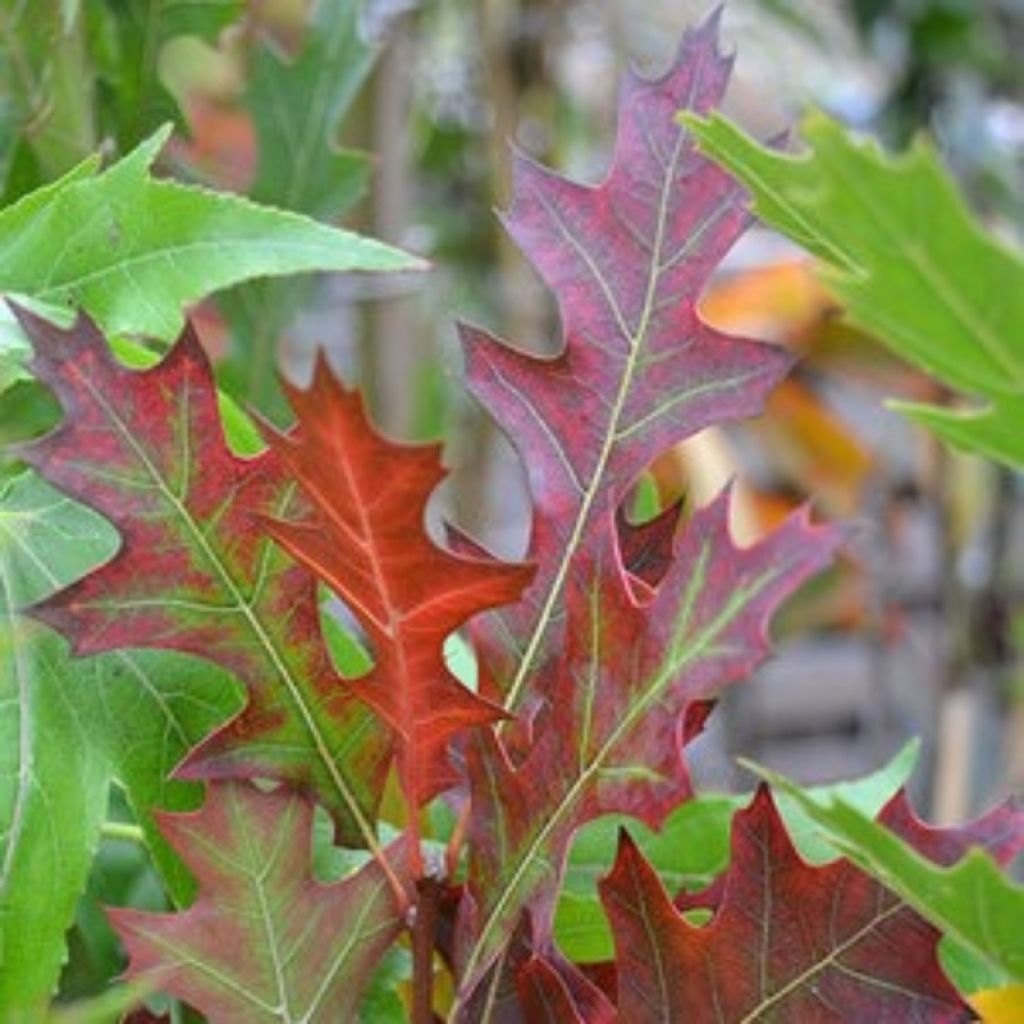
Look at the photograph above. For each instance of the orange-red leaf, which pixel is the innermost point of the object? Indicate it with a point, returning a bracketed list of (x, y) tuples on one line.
[(367, 540)]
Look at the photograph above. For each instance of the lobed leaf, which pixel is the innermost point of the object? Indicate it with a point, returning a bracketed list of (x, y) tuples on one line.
[(132, 250), (692, 848), (627, 694), (639, 371), (787, 940), (367, 540), (263, 941), (908, 261), (195, 572)]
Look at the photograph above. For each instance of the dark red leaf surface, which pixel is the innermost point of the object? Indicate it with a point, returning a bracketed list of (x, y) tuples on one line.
[(788, 942), (611, 739), (547, 999), (512, 994), (639, 371), (368, 542), (263, 942), (196, 572)]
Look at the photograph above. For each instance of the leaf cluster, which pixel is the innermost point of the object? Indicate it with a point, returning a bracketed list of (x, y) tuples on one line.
[(369, 825)]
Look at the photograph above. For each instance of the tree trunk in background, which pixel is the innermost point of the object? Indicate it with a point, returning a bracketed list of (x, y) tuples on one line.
[(522, 305)]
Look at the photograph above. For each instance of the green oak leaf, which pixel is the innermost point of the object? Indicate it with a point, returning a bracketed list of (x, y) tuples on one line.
[(907, 259)]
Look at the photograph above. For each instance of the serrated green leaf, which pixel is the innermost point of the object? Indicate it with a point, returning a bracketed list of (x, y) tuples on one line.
[(907, 259), (133, 250), (972, 902)]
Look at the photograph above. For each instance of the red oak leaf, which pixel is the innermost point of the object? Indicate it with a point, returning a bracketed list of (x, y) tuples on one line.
[(788, 941), (368, 542), (263, 941), (611, 738), (639, 371), (196, 572)]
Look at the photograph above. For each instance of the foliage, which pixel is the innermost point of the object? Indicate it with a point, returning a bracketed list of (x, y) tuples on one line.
[(455, 812), (971, 900), (784, 936), (263, 941), (908, 261), (296, 107), (132, 234)]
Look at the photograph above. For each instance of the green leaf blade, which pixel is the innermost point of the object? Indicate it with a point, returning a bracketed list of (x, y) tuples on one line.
[(906, 258), (132, 250)]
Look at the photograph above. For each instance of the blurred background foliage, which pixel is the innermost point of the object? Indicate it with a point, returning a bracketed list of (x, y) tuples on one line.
[(393, 116)]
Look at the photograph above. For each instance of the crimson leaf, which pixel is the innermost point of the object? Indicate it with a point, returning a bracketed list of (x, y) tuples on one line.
[(195, 572), (639, 371), (263, 942)]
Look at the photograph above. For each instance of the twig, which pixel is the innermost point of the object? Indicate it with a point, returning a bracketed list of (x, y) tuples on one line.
[(424, 934)]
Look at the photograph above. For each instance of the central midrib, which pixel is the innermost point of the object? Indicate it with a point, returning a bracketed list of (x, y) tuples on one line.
[(265, 641), (635, 341)]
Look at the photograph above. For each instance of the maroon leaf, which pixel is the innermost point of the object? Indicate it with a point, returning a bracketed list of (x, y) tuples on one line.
[(522, 987), (611, 739), (787, 941), (195, 571), (263, 942), (547, 999), (639, 371), (368, 541)]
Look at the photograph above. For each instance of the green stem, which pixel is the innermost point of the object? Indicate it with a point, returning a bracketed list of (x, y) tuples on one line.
[(124, 831)]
